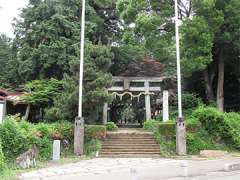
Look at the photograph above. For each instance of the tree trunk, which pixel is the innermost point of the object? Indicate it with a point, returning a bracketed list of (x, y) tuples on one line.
[(209, 88), (27, 112), (220, 85)]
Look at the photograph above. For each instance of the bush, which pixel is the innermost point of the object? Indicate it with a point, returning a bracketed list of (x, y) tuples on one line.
[(95, 132), (92, 146), (2, 159), (93, 136), (232, 121), (150, 125), (223, 126), (64, 130), (14, 139), (165, 134), (111, 126), (199, 141), (18, 137), (52, 114)]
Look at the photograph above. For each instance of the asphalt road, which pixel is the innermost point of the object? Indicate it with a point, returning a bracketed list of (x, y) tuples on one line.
[(137, 169)]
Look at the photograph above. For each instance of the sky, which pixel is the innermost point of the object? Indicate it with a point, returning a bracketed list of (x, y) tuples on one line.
[(9, 10)]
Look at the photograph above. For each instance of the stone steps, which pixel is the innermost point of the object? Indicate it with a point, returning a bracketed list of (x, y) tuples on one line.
[(130, 144), (129, 135), (109, 153), (130, 156), (131, 139), (124, 146)]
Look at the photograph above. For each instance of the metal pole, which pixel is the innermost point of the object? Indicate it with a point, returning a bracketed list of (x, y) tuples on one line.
[(81, 60), (181, 148), (178, 62), (79, 121)]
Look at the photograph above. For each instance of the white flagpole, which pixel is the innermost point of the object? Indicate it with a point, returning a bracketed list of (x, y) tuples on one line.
[(79, 121), (181, 148), (81, 60), (178, 62)]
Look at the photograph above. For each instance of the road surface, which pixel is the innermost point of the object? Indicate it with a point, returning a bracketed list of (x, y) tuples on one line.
[(137, 169)]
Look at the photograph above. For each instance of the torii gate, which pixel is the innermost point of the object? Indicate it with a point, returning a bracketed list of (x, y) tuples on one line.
[(126, 85)]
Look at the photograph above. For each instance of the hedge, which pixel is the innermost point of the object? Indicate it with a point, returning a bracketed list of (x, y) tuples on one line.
[(17, 137), (223, 126)]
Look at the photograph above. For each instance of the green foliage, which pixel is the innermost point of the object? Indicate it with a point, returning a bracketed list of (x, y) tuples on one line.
[(199, 35), (150, 124), (47, 46), (197, 43), (208, 36), (190, 102), (2, 159), (92, 146), (14, 133), (96, 78), (223, 126), (64, 130), (93, 136), (207, 115), (5, 57), (197, 138), (153, 28), (41, 91), (166, 142), (201, 140), (45, 134), (111, 126), (95, 132), (52, 114), (128, 113), (12, 138), (125, 55)]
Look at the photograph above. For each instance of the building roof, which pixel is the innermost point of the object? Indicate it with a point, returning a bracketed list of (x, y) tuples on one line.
[(13, 97)]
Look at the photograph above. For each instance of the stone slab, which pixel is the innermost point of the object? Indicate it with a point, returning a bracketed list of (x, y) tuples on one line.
[(56, 150), (212, 153)]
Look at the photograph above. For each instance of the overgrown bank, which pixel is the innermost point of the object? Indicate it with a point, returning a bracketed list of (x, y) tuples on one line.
[(17, 136), (207, 128)]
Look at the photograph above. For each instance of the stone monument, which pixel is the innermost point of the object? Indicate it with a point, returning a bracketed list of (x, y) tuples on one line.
[(56, 151)]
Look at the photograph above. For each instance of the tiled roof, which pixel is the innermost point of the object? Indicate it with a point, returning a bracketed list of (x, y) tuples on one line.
[(10, 96)]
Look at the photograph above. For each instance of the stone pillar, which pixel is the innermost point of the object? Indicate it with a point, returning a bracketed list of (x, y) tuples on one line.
[(2, 110), (56, 151), (165, 106), (105, 113), (181, 137), (78, 136), (147, 101)]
